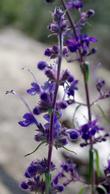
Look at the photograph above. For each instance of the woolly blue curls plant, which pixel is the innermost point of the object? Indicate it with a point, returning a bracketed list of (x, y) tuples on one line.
[(40, 175)]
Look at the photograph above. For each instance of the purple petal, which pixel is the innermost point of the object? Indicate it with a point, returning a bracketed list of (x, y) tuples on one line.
[(28, 120)]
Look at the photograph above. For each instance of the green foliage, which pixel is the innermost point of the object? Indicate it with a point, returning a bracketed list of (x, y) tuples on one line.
[(32, 16)]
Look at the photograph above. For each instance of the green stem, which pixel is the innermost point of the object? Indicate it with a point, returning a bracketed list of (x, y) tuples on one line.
[(83, 68)]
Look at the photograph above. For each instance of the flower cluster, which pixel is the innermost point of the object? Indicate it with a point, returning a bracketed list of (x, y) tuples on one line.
[(67, 174), (59, 24), (39, 174), (92, 131), (35, 174)]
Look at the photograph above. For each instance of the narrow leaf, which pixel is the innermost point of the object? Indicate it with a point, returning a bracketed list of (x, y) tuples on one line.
[(87, 71), (69, 150), (103, 114), (81, 191), (48, 182), (97, 162), (103, 189), (76, 109), (91, 164), (35, 149)]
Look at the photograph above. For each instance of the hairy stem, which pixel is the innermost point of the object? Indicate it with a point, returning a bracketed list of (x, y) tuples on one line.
[(60, 38), (83, 68)]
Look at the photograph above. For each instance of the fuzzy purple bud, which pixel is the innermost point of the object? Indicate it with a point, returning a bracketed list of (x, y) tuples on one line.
[(24, 185), (48, 52), (44, 96), (41, 65), (73, 134)]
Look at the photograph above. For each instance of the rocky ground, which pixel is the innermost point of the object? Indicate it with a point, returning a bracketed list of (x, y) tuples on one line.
[(17, 54)]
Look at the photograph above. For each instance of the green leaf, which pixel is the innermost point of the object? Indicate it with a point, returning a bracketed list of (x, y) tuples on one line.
[(76, 109), (48, 182), (102, 188), (97, 163), (69, 150), (87, 70), (35, 149), (81, 191), (91, 163)]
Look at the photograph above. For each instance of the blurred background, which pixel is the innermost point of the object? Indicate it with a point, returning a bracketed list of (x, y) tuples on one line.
[(23, 38)]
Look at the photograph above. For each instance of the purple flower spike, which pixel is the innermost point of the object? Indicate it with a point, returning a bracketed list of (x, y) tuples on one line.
[(28, 120)]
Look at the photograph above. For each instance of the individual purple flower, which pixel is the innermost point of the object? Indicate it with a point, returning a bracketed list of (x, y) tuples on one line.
[(61, 105), (101, 88), (48, 52), (35, 89), (89, 130), (32, 170), (50, 74), (46, 98), (84, 38), (24, 185), (73, 45), (73, 134), (100, 84), (74, 4), (72, 88), (52, 52), (67, 76), (29, 119), (42, 65)]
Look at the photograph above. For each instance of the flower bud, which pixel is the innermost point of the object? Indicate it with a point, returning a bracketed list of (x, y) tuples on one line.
[(54, 28), (41, 65), (90, 13)]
